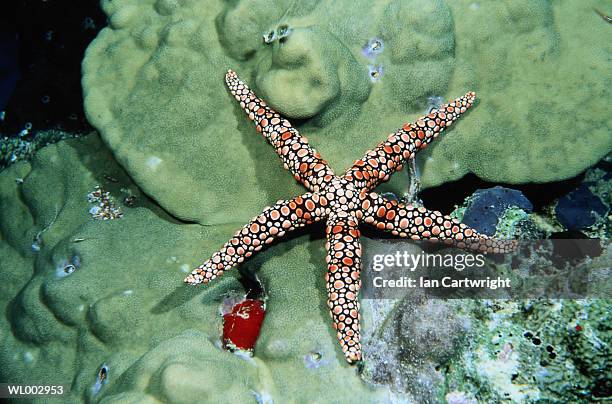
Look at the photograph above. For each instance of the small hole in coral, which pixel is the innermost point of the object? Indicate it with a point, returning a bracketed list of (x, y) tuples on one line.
[(102, 374), (269, 37), (283, 30)]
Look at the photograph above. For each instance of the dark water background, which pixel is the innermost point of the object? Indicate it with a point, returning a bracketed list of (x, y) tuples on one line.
[(41, 47)]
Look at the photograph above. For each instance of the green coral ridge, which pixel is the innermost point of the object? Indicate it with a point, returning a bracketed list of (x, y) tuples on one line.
[(153, 84), (80, 293)]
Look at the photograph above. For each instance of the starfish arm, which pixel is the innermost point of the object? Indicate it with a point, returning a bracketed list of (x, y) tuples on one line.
[(419, 223), (343, 284), (298, 157), (271, 224), (388, 157)]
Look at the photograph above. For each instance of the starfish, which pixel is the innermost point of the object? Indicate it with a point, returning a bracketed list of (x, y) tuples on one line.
[(343, 203)]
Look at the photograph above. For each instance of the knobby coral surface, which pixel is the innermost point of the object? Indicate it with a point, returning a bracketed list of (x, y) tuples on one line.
[(82, 297), (345, 71)]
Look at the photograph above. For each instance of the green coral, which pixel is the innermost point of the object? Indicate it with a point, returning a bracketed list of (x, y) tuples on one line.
[(579, 334), (529, 59), (124, 305), (516, 223), (153, 85)]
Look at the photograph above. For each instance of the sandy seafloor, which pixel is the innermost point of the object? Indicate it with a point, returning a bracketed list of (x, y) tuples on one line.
[(125, 163)]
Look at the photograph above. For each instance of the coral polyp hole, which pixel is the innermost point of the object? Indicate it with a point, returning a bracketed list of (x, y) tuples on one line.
[(269, 37), (102, 373), (373, 47), (283, 31), (101, 378), (375, 72), (313, 360), (376, 45), (66, 267)]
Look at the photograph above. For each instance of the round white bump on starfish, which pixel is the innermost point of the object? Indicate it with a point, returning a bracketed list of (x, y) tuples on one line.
[(343, 202)]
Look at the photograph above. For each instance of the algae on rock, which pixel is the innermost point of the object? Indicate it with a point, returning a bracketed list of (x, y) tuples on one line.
[(537, 350)]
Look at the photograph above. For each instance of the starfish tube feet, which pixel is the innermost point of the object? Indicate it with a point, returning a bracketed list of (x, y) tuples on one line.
[(273, 222), (343, 284), (298, 157)]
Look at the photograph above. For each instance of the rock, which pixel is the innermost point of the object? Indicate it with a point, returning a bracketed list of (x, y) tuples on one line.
[(486, 207), (580, 208), (409, 350)]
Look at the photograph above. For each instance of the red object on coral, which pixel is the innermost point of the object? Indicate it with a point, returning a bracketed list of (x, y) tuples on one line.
[(241, 326), (578, 327)]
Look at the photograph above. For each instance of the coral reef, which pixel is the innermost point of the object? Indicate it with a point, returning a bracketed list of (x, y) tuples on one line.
[(537, 351), (152, 87), (526, 50), (485, 350), (101, 303), (105, 208), (532, 350)]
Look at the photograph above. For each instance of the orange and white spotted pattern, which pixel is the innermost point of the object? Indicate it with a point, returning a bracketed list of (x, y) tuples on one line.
[(418, 223), (272, 223), (298, 157), (389, 156), (342, 279), (343, 203)]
